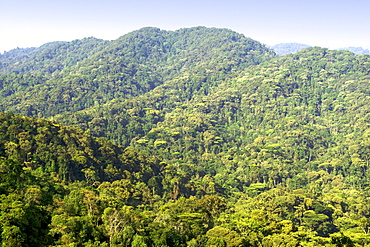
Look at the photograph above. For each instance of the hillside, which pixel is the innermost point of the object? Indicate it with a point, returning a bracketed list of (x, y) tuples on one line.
[(132, 65), (276, 122), (298, 121), (66, 152), (49, 58), (195, 137)]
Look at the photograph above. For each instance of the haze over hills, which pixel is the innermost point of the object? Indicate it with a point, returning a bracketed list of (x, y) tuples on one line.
[(289, 48), (194, 137), (357, 50)]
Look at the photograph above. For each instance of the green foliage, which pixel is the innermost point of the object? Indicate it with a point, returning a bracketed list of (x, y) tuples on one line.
[(49, 58), (90, 72), (68, 153), (196, 137), (25, 196)]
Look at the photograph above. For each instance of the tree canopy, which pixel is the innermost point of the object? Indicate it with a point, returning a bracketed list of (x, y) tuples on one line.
[(195, 137)]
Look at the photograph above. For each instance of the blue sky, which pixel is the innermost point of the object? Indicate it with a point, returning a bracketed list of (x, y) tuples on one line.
[(326, 23)]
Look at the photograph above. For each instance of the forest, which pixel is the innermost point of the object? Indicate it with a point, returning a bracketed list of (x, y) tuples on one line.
[(196, 137)]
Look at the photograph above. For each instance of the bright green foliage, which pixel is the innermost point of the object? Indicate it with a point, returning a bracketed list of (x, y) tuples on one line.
[(70, 154), (25, 196), (231, 238), (223, 143)]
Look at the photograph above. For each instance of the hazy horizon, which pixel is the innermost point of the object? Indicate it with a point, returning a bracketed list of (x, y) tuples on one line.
[(331, 24)]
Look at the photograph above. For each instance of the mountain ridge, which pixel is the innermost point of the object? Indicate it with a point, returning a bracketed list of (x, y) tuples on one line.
[(197, 137), (126, 69), (289, 48)]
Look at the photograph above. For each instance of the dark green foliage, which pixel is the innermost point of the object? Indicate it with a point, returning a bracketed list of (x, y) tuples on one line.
[(24, 197), (218, 142), (69, 153), (84, 73)]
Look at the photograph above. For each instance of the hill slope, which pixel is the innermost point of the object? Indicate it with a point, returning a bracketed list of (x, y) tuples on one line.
[(225, 144), (49, 58), (276, 121), (132, 65), (67, 153)]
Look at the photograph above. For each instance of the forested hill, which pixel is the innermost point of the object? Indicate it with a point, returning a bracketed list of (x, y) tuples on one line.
[(76, 75), (197, 137), (297, 122), (67, 153), (279, 120), (49, 58)]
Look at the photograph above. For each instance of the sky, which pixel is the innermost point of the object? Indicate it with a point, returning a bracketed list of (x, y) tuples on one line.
[(326, 23)]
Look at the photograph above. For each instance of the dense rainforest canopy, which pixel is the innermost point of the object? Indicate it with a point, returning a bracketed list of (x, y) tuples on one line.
[(194, 137)]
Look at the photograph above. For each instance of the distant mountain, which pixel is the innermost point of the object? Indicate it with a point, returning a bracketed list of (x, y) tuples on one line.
[(50, 57), (357, 50), (288, 48)]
